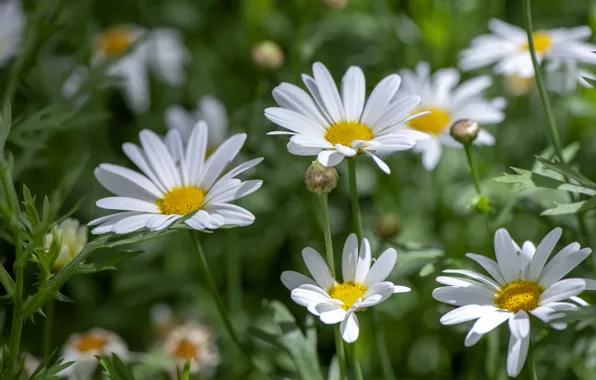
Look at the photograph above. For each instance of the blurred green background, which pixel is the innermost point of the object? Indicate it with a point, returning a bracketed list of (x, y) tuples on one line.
[(437, 227)]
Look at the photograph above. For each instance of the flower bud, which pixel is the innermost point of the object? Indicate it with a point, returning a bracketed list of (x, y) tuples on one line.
[(73, 238), (465, 131), (320, 179), (268, 55), (335, 4), (388, 226)]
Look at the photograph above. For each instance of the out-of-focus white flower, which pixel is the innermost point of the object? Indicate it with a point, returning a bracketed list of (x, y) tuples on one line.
[(194, 342), (31, 363), (363, 286), (507, 48), (522, 283), (129, 51), (73, 237), (268, 55), (447, 101), (210, 110), (332, 127), (12, 29), (162, 319), (82, 349), (178, 180)]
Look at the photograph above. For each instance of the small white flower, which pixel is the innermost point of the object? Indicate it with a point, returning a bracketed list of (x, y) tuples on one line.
[(364, 286), (522, 283), (82, 349), (195, 342), (209, 109), (507, 48), (331, 127), (73, 237), (448, 101), (129, 51), (177, 180), (12, 29)]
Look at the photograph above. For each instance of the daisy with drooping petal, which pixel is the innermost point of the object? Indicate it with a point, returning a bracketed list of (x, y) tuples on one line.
[(507, 48), (209, 109), (363, 286), (177, 181), (129, 52), (521, 284), (333, 126), (448, 101), (194, 342), (12, 29), (73, 238), (83, 348)]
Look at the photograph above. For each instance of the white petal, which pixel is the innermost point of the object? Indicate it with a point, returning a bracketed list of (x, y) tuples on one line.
[(328, 91), (130, 224), (490, 321), (462, 296), (472, 338), (136, 155), (353, 87), (562, 290), (318, 268), (127, 183), (563, 262), (543, 251), (477, 276), (330, 314), (214, 113), (292, 280), (294, 121), (519, 324), (177, 118), (296, 99), (379, 100), (466, 313), (241, 168), (220, 159), (401, 289), (349, 328), (507, 256), (431, 152), (381, 268), (195, 152), (382, 289), (489, 265), (516, 354), (380, 163), (159, 158), (330, 158), (364, 259), (127, 204), (350, 258), (232, 214)]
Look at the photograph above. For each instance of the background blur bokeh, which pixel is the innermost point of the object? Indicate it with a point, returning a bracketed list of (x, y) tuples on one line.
[(436, 226)]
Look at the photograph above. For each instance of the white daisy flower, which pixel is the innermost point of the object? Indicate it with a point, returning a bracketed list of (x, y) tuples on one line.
[(448, 101), (82, 349), (12, 29), (521, 283), (209, 109), (130, 51), (364, 286), (507, 48), (331, 127), (194, 342), (73, 237), (176, 182)]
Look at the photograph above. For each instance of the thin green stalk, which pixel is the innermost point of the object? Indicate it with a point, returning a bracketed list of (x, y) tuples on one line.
[(531, 364), (223, 313), (468, 149), (355, 203), (380, 342), (234, 274), (17, 316), (47, 329), (356, 363), (553, 132), (339, 344)]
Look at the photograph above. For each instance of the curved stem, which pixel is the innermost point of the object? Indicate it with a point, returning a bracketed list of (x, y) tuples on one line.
[(47, 329), (354, 195), (223, 313), (339, 344), (553, 132), (468, 149)]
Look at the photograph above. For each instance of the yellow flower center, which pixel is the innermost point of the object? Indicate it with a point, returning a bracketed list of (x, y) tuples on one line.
[(348, 293), (185, 350), (542, 43), (519, 295), (114, 42), (91, 342), (181, 201), (518, 85), (433, 123), (347, 131)]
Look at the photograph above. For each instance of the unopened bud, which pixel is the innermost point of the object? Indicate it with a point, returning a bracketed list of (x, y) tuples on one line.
[(465, 131), (335, 4), (388, 226), (268, 55), (320, 179)]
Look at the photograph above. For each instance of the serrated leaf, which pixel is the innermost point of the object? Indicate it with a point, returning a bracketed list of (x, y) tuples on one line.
[(571, 208), (568, 172), (525, 179)]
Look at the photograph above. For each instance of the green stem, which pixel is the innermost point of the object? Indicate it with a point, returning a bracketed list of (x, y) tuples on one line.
[(356, 363), (339, 344), (553, 132), (17, 316), (234, 273), (468, 149), (531, 365), (223, 313), (380, 342), (47, 332), (354, 194)]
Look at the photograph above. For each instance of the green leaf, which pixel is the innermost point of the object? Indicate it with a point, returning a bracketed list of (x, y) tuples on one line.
[(525, 179), (5, 122), (115, 369), (6, 281), (567, 171), (571, 208), (591, 81)]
